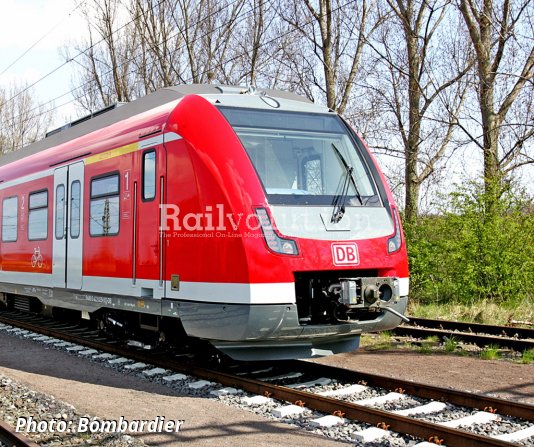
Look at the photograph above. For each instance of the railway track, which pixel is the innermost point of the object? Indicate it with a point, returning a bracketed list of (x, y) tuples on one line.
[(10, 438), (291, 385), (519, 339)]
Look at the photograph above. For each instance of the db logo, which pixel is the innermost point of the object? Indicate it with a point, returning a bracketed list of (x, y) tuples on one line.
[(345, 254)]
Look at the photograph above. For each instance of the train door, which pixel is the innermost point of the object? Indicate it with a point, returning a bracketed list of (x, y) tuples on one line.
[(68, 226), (149, 194)]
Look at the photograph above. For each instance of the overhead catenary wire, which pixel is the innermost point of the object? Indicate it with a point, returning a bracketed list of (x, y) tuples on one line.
[(43, 37), (189, 79), (69, 60), (73, 59)]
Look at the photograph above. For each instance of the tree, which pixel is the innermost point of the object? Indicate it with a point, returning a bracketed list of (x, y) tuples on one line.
[(256, 47), (106, 70), (157, 64), (501, 34), (335, 35), (419, 82), (22, 119), (137, 46)]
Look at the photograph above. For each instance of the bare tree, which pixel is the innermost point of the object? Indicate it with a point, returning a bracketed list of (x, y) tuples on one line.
[(419, 82), (254, 45), (502, 37), (158, 63), (137, 46), (22, 119), (207, 28), (336, 33), (106, 72)]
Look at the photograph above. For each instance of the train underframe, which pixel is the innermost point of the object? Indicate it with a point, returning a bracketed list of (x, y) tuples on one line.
[(332, 309)]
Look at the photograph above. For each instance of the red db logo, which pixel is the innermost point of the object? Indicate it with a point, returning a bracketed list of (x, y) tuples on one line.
[(345, 254)]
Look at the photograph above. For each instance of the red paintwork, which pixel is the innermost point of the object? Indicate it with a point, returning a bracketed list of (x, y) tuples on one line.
[(223, 174), (207, 167), (17, 256)]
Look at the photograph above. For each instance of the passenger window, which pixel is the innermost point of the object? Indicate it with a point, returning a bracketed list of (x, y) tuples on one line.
[(149, 175), (104, 208), (60, 211), (38, 216), (10, 210), (75, 189)]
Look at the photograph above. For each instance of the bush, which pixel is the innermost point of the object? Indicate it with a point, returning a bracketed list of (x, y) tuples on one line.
[(477, 249)]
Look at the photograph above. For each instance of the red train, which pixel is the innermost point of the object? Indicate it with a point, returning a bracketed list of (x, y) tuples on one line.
[(255, 220)]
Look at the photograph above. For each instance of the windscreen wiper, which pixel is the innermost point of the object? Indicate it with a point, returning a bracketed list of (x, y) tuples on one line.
[(341, 198)]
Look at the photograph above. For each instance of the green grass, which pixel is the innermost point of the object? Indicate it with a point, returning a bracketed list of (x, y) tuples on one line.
[(377, 342), (450, 344), (384, 341), (527, 357), (490, 352), (428, 343), (486, 312)]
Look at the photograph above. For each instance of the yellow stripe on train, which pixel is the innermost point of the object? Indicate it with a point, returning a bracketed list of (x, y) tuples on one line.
[(112, 153)]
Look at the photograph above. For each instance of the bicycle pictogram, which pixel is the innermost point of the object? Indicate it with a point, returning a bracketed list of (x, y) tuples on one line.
[(37, 258)]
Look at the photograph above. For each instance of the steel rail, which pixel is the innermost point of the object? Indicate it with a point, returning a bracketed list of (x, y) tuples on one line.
[(477, 339), (478, 328), (11, 438), (418, 428)]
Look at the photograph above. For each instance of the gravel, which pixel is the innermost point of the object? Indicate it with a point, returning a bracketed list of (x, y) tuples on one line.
[(505, 425), (18, 401)]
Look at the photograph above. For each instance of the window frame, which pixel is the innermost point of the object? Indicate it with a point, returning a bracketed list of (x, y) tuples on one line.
[(30, 209), (145, 153), (60, 238), (79, 209), (240, 120), (102, 196), (16, 219)]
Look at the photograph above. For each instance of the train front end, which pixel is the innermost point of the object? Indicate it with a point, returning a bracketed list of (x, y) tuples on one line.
[(317, 246)]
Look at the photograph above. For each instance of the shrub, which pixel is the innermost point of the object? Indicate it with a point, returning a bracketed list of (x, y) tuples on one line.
[(476, 249)]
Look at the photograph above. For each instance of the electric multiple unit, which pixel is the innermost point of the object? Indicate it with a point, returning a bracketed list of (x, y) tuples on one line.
[(255, 220)]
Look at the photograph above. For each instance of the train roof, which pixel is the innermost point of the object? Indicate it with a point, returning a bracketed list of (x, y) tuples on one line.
[(218, 94)]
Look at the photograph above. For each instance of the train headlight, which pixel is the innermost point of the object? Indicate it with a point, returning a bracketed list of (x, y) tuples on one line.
[(274, 242), (395, 242)]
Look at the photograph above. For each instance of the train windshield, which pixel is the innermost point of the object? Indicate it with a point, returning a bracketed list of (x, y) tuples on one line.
[(303, 158)]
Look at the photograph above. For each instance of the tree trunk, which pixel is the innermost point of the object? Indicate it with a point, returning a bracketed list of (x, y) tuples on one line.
[(411, 205)]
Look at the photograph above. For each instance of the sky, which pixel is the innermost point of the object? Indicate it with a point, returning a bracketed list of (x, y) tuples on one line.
[(49, 25)]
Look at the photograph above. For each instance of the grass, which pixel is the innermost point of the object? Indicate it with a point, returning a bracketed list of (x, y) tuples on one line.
[(428, 343), (450, 344), (490, 352), (486, 312), (377, 342), (527, 357)]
